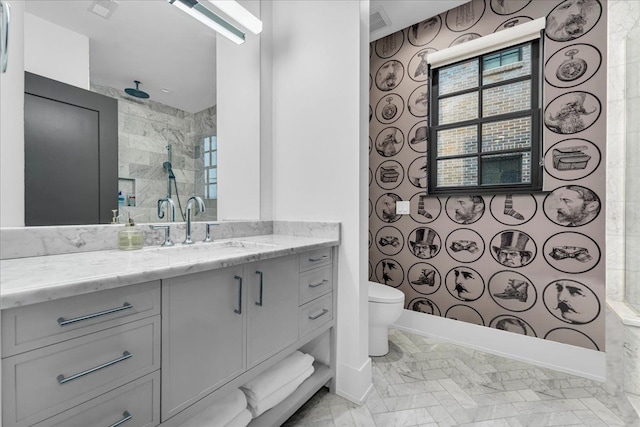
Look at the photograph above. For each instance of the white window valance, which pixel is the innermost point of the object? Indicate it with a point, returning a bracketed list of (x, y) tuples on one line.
[(490, 43)]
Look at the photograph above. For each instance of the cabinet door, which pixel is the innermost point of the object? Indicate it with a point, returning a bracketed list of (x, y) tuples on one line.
[(202, 336), (273, 318)]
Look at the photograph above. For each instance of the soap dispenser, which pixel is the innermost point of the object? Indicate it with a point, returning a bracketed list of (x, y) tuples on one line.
[(130, 237)]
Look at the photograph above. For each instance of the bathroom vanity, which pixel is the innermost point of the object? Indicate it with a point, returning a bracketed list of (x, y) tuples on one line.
[(153, 337)]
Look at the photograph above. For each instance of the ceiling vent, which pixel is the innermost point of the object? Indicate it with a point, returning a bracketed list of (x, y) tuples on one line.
[(103, 8), (378, 19)]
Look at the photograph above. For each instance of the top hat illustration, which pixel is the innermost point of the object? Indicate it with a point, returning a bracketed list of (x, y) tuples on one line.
[(421, 135), (423, 240), (513, 241)]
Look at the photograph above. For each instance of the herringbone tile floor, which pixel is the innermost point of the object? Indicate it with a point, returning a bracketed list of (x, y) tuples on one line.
[(425, 382)]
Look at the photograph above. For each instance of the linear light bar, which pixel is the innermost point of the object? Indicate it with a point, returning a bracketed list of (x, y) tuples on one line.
[(242, 16), (210, 19)]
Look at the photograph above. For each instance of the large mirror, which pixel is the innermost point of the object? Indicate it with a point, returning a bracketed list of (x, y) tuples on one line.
[(167, 143)]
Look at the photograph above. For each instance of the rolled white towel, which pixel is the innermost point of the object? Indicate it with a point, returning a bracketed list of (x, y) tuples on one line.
[(221, 412), (242, 420), (280, 374), (257, 407)]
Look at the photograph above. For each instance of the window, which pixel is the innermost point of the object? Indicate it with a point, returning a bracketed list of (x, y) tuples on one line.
[(210, 154), (485, 116)]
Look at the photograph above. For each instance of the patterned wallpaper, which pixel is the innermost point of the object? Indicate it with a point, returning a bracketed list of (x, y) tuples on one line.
[(531, 264)]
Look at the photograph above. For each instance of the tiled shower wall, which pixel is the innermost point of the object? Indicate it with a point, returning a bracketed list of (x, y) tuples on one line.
[(557, 255), (145, 129)]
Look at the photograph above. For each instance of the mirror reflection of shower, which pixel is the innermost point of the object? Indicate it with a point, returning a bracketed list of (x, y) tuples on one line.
[(168, 199)]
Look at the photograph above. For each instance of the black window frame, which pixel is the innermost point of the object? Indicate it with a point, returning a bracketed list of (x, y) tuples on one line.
[(536, 127)]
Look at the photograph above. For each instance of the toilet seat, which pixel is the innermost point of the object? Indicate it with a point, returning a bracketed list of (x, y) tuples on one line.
[(384, 294)]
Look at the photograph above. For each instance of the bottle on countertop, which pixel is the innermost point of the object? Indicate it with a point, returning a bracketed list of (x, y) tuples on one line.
[(130, 237), (120, 199)]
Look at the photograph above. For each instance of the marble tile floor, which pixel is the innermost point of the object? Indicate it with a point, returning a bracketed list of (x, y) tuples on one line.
[(427, 383)]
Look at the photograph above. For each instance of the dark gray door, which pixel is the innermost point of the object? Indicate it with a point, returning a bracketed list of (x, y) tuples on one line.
[(70, 154)]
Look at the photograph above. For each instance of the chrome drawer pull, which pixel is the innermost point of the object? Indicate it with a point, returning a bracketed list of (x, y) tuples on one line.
[(323, 257), (127, 416), (239, 309), (315, 285), (324, 311), (261, 277), (62, 322), (62, 380)]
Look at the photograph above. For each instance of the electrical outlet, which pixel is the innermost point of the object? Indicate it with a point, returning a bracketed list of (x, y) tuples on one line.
[(402, 207)]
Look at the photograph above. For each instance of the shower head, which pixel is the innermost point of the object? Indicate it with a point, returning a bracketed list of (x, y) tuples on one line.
[(137, 92), (167, 167)]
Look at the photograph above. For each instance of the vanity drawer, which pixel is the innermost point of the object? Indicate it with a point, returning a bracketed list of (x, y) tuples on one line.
[(44, 382), (38, 325), (315, 314), (314, 283), (139, 400), (313, 259)]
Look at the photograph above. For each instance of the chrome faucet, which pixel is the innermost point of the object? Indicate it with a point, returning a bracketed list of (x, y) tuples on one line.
[(172, 208), (192, 200)]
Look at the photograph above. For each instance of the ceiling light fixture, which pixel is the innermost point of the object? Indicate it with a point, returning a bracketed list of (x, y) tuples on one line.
[(210, 19), (242, 16)]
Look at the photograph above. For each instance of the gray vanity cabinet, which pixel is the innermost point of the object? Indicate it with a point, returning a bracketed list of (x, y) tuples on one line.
[(203, 325), (272, 307)]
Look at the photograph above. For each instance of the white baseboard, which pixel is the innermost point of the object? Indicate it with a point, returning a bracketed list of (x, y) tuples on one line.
[(354, 384), (549, 354)]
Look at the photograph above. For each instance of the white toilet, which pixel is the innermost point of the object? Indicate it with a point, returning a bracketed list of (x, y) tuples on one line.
[(385, 306)]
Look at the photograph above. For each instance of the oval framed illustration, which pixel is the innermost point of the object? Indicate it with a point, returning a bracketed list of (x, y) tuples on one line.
[(572, 19), (572, 65), (465, 245), (417, 172), (389, 141), (508, 7), (417, 69), (425, 31), (465, 16), (389, 174), (512, 22), (572, 112), (464, 283), (424, 208), (465, 209), (389, 108), (389, 272), (424, 278), (418, 102), (513, 248), (424, 242), (572, 206), (465, 38), (389, 45), (571, 301), (464, 313), (386, 207), (389, 240), (571, 252), (512, 291), (418, 137), (424, 305), (513, 209), (389, 75), (572, 337), (509, 323)]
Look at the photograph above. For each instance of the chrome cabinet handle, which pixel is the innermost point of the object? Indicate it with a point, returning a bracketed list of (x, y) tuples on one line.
[(261, 281), (62, 322), (62, 380), (126, 416), (324, 311), (323, 257), (315, 285), (239, 309), (5, 8)]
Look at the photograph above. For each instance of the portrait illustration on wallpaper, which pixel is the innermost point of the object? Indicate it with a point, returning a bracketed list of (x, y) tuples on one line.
[(464, 313), (572, 19), (512, 324), (417, 173), (464, 283), (572, 206), (424, 243), (425, 31), (389, 272), (424, 305), (465, 209), (572, 112), (511, 248), (418, 103), (386, 207), (571, 301), (389, 75)]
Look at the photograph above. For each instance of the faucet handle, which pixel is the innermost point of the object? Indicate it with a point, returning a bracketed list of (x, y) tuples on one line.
[(167, 235), (208, 237)]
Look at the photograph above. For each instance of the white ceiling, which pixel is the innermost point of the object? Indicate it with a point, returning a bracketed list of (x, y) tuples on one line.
[(147, 40), (403, 13), (164, 48)]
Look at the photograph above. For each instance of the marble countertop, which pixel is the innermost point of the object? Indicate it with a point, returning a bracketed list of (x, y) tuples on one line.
[(25, 281)]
